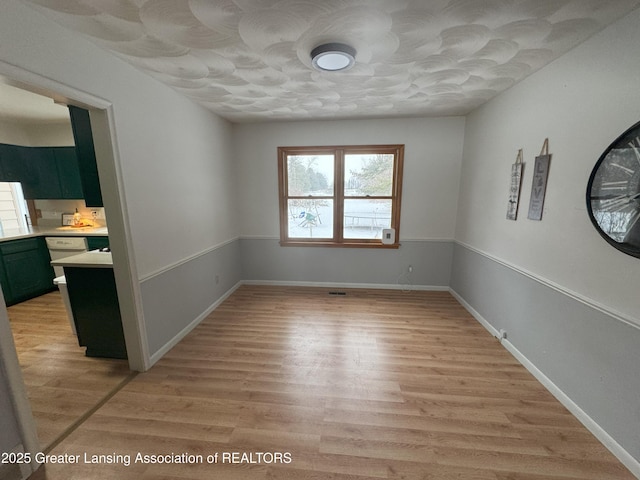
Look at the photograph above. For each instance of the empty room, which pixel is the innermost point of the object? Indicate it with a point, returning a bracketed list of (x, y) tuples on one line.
[(330, 240)]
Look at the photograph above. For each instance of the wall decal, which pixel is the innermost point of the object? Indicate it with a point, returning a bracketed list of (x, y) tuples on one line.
[(514, 188), (539, 185)]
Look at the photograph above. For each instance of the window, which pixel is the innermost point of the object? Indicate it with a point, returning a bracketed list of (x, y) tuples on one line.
[(13, 208), (339, 196)]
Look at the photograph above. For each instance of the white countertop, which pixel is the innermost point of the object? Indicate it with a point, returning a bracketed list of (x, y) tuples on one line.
[(92, 259), (17, 233)]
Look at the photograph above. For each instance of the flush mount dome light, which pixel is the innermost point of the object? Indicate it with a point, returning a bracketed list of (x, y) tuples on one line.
[(333, 57)]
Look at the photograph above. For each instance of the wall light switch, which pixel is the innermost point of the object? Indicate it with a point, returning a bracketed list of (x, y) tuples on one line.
[(388, 236)]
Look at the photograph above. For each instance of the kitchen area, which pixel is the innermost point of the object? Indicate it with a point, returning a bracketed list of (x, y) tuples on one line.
[(56, 269), (57, 191), (78, 265)]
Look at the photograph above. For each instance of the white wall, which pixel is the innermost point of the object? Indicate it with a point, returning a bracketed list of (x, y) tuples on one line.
[(36, 134), (433, 152), (13, 133), (581, 102), (179, 180), (57, 134)]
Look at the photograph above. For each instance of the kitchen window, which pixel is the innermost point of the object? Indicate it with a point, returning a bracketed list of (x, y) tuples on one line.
[(340, 195), (13, 207)]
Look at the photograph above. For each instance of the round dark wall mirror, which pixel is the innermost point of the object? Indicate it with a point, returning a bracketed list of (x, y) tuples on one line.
[(613, 193)]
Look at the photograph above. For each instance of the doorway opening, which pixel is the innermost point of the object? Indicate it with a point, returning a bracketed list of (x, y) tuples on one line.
[(62, 385)]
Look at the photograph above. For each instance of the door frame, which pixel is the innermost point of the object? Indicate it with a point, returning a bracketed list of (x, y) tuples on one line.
[(102, 119)]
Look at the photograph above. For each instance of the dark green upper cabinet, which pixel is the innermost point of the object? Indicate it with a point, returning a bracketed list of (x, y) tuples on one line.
[(85, 151), (56, 172), (44, 172), (40, 173), (68, 172), (12, 165)]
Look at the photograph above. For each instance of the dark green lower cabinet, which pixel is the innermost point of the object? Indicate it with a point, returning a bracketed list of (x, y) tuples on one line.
[(94, 243), (25, 271), (96, 311)]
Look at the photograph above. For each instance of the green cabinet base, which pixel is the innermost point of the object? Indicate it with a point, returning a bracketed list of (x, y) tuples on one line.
[(94, 243), (96, 311), (25, 271)]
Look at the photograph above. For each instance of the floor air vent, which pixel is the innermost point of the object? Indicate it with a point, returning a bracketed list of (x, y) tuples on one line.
[(337, 293)]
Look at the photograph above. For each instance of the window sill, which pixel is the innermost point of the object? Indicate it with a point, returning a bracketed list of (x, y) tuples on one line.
[(392, 246)]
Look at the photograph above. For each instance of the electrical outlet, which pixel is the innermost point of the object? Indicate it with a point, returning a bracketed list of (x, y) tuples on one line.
[(410, 269), (97, 214)]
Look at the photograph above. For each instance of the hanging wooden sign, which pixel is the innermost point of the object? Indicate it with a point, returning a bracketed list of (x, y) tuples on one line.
[(539, 185), (514, 188)]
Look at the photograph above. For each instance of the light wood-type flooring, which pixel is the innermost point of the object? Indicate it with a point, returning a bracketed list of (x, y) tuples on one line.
[(63, 384), (370, 385)]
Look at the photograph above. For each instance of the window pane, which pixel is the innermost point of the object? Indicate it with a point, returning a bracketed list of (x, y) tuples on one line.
[(13, 208), (368, 175), (310, 175), (310, 218), (366, 218)]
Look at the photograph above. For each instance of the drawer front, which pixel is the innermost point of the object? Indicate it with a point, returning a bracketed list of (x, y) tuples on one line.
[(17, 246)]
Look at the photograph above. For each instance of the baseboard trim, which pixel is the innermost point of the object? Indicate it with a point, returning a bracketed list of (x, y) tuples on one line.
[(490, 328), (609, 442), (376, 286), (186, 330)]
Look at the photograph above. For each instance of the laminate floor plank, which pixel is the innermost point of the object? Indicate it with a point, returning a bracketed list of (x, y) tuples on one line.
[(374, 384), (62, 383)]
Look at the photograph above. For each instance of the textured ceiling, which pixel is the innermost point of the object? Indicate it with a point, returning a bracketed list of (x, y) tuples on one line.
[(248, 60)]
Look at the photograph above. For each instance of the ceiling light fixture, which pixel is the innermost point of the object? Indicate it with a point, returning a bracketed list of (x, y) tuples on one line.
[(333, 57)]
